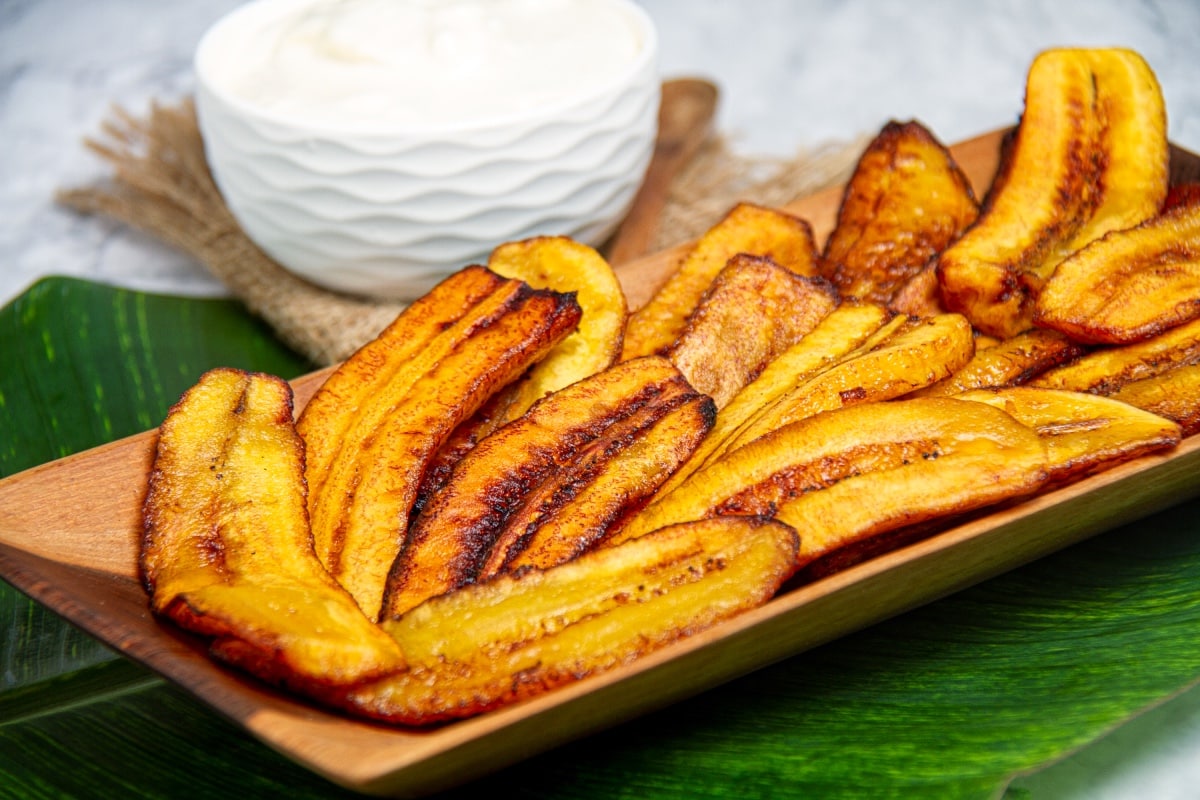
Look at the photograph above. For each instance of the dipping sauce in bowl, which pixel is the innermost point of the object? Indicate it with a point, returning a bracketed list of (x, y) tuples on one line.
[(373, 146), (387, 65)]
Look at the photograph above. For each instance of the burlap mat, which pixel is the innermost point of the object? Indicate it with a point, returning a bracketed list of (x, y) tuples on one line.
[(161, 185)]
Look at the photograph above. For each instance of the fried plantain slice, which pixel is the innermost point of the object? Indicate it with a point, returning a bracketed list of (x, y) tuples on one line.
[(1130, 284), (843, 330), (360, 508), (1174, 394), (1106, 369), (1090, 156), (326, 421), (449, 539), (753, 310), (747, 228), (1084, 433), (1010, 362), (919, 353), (610, 479), (226, 550), (916, 460), (535, 630), (906, 201), (920, 295), (564, 265)]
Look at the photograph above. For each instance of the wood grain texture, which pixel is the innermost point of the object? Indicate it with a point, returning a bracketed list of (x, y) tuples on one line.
[(69, 533)]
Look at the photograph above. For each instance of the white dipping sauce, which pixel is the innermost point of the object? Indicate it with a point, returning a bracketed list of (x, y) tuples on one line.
[(372, 64)]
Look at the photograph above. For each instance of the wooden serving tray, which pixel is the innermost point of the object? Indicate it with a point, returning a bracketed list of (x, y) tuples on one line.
[(69, 535)]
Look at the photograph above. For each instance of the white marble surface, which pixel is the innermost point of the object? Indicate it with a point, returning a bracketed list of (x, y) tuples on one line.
[(794, 74)]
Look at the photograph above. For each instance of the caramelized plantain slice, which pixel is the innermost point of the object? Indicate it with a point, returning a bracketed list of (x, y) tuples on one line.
[(753, 310), (451, 536), (1010, 362), (534, 630), (226, 550), (843, 330), (917, 461), (360, 507), (330, 415), (1084, 433), (747, 228), (919, 353), (906, 202), (1129, 285), (564, 265), (1105, 370), (610, 479), (1174, 394), (1090, 156)]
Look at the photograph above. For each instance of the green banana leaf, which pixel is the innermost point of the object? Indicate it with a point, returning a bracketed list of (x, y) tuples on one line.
[(952, 700)]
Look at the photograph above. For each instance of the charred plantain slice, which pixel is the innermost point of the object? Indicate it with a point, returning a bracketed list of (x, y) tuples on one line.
[(564, 265), (612, 478), (1008, 363), (747, 228), (539, 629), (753, 310), (1129, 285), (1084, 433), (1174, 394), (226, 550), (361, 509), (906, 202), (1105, 370), (843, 330), (1090, 156), (327, 419), (917, 461), (920, 353), (449, 539)]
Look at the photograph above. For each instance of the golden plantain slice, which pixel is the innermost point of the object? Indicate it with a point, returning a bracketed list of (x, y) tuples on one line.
[(564, 265), (906, 202), (226, 550), (843, 330), (1008, 363), (1174, 394), (538, 629), (753, 310), (360, 509), (1130, 284), (451, 536), (920, 353), (747, 228), (610, 479), (1084, 433), (1105, 370), (349, 391), (1090, 156), (845, 477)]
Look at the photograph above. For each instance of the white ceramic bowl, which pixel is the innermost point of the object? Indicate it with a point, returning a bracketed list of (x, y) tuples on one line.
[(389, 212)]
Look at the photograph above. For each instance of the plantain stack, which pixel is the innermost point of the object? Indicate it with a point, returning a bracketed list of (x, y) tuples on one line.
[(521, 483), (1089, 156)]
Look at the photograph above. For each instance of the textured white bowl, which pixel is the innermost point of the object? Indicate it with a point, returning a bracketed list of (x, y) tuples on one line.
[(389, 213)]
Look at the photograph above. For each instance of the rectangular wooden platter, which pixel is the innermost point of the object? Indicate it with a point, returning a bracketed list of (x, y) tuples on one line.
[(69, 535)]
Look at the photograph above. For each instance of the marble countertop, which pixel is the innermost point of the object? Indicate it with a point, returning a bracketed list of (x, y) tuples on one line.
[(794, 74)]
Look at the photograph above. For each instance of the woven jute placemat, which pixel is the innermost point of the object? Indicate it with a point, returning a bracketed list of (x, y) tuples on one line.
[(161, 185)]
